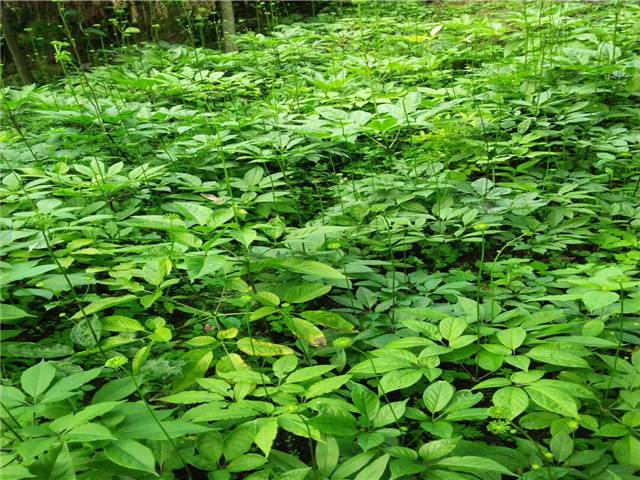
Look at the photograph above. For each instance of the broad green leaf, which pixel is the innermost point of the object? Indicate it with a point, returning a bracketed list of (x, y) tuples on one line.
[(284, 365), (266, 435), (311, 267), (20, 271), (307, 331), (627, 451), (437, 396), (197, 362), (513, 399), (259, 348), (131, 454), (121, 324), (596, 299), (452, 327), (556, 356), (561, 446), (56, 464), (327, 385), (155, 270), (252, 177), (365, 401), (327, 319), (307, 373), (155, 222), (327, 454), (10, 313), (437, 449), (68, 385), (116, 390), (103, 304), (191, 397), (375, 470), (305, 292), (199, 266), (474, 464), (352, 465), (245, 463), (35, 380), (15, 472), (390, 413), (512, 338), (553, 400), (398, 380), (89, 432), (90, 412), (194, 212)]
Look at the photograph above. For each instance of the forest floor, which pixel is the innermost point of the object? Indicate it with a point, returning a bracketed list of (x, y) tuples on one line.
[(398, 243)]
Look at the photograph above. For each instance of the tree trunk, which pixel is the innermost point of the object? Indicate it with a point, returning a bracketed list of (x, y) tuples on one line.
[(18, 57), (228, 26)]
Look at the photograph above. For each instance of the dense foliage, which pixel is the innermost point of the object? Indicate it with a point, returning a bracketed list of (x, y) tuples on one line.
[(401, 243)]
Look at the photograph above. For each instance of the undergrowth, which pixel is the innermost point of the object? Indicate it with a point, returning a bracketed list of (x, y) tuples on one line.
[(398, 243)]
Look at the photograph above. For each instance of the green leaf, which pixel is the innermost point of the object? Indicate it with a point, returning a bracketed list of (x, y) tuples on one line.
[(115, 390), (284, 365), (89, 432), (398, 380), (326, 386), (131, 454), (437, 449), (452, 327), (627, 451), (267, 431), (252, 177), (190, 397), (401, 467), (121, 324), (352, 465), (597, 299), (103, 304), (307, 373), (90, 412), (155, 270), (193, 211), (390, 413), (553, 400), (305, 292), (35, 380), (561, 446), (512, 338), (9, 313), (239, 440), (512, 398), (56, 464), (473, 464), (327, 319), (87, 332), (199, 266), (311, 267), (15, 472), (437, 396), (327, 454), (20, 271), (365, 401), (67, 386), (556, 356), (262, 349), (375, 470), (307, 331), (247, 462)]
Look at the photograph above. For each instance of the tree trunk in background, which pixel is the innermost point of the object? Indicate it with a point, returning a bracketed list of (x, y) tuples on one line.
[(228, 26), (18, 57)]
